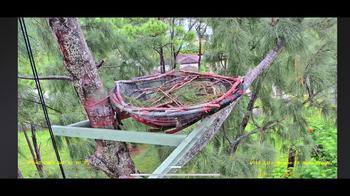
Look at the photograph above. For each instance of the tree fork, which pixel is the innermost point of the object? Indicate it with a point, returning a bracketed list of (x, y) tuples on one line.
[(112, 158)]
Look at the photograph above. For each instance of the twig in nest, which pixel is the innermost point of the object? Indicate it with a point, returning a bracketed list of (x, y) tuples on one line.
[(170, 97), (164, 104)]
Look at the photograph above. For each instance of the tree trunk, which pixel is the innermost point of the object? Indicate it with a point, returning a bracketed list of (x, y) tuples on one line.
[(32, 153), (37, 150), (291, 161), (111, 157), (172, 35), (174, 59), (162, 62), (199, 52)]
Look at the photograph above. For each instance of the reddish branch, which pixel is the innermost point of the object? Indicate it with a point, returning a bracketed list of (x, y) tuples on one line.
[(171, 98), (172, 89)]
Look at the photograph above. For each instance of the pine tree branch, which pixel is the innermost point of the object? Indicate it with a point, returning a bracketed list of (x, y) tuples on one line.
[(234, 144), (46, 77), (263, 65), (182, 41), (268, 125), (169, 43), (215, 121), (41, 104), (309, 99), (316, 54)]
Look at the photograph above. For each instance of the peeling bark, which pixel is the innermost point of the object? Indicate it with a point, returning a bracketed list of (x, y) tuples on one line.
[(111, 157)]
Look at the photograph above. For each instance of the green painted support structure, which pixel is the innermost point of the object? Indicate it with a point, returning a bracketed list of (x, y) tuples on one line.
[(119, 135), (181, 150), (84, 123), (183, 143)]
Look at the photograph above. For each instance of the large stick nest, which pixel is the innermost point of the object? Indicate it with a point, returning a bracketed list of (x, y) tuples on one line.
[(175, 99)]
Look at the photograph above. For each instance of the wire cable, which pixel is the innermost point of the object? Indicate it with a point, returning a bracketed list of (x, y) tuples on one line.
[(38, 86)]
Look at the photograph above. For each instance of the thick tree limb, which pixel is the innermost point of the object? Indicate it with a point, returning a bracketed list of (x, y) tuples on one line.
[(209, 131), (254, 73), (55, 77), (46, 78)]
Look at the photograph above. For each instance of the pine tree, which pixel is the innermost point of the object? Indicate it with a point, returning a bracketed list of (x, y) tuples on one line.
[(270, 119), (308, 62)]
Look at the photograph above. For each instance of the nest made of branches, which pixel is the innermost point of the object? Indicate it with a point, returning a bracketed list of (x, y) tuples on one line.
[(176, 98)]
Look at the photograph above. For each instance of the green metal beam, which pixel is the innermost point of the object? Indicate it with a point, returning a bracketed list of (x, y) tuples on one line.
[(84, 123), (119, 135), (183, 148)]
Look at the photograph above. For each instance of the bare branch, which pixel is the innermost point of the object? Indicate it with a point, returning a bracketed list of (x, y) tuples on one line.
[(156, 49), (40, 104), (310, 98), (46, 78), (165, 44), (191, 25)]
